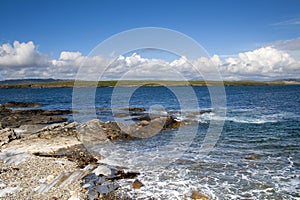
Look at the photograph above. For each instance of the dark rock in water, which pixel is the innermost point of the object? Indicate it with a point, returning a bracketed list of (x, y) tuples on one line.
[(137, 184), (199, 196), (134, 109), (13, 104), (171, 123), (142, 118), (17, 118)]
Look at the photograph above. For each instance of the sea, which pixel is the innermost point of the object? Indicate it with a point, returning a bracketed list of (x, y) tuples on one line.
[(253, 154)]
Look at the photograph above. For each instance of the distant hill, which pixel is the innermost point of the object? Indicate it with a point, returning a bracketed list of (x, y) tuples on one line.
[(30, 81), (288, 80)]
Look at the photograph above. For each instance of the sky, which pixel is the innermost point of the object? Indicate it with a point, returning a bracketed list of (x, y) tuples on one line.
[(246, 40)]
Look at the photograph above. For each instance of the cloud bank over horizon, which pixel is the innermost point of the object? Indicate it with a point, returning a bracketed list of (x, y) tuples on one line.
[(278, 60)]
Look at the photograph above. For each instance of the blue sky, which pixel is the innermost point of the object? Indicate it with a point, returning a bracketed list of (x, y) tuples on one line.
[(221, 27)]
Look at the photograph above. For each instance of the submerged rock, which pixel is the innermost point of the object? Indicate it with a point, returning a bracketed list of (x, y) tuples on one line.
[(14, 104)]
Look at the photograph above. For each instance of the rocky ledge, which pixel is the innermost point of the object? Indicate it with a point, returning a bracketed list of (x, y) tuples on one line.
[(41, 159)]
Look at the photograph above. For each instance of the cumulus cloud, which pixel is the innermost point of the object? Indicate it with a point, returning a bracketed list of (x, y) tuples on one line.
[(23, 60), (266, 62), (21, 55)]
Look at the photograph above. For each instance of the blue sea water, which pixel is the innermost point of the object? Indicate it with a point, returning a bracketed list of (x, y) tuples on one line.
[(257, 155)]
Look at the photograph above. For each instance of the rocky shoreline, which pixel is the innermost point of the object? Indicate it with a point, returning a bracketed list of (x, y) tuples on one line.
[(42, 156)]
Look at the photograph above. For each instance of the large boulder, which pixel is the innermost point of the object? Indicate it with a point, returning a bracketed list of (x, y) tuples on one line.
[(91, 133)]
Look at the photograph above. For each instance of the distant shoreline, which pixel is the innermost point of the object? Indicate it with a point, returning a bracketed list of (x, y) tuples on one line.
[(133, 83)]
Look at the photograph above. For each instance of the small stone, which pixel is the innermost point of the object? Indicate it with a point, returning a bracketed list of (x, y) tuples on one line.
[(137, 184), (86, 185), (50, 178), (199, 196), (42, 180)]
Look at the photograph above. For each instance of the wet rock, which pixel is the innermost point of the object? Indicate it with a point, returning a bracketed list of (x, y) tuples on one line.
[(13, 104), (7, 135), (144, 123), (199, 196), (169, 122), (251, 157), (137, 184), (17, 118), (134, 109), (142, 118), (121, 115)]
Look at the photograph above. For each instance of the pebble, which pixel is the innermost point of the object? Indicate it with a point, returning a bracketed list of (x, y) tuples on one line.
[(137, 184), (74, 198)]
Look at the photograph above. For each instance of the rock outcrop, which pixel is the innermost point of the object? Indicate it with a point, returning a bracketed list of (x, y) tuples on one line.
[(13, 104)]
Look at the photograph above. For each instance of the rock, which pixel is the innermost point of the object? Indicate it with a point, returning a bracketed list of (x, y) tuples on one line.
[(75, 153), (7, 135), (121, 115), (74, 198), (102, 170), (137, 184), (8, 190), (251, 157), (134, 109), (142, 118), (143, 123), (199, 196), (58, 129), (17, 118), (106, 188), (91, 133), (13, 104), (14, 156)]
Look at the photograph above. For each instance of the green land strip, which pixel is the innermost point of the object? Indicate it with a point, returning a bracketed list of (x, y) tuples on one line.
[(113, 83)]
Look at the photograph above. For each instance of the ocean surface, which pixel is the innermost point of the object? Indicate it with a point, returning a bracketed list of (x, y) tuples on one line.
[(256, 155)]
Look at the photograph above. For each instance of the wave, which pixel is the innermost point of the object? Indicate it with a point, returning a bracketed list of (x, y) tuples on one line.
[(245, 116)]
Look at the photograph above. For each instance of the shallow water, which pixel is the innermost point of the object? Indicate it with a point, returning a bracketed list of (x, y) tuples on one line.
[(257, 155)]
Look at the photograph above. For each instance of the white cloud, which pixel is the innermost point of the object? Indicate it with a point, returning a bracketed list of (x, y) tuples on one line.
[(21, 55), (266, 62), (22, 60)]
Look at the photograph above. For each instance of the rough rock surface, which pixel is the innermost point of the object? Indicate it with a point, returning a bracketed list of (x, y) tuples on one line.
[(42, 159), (16, 118)]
